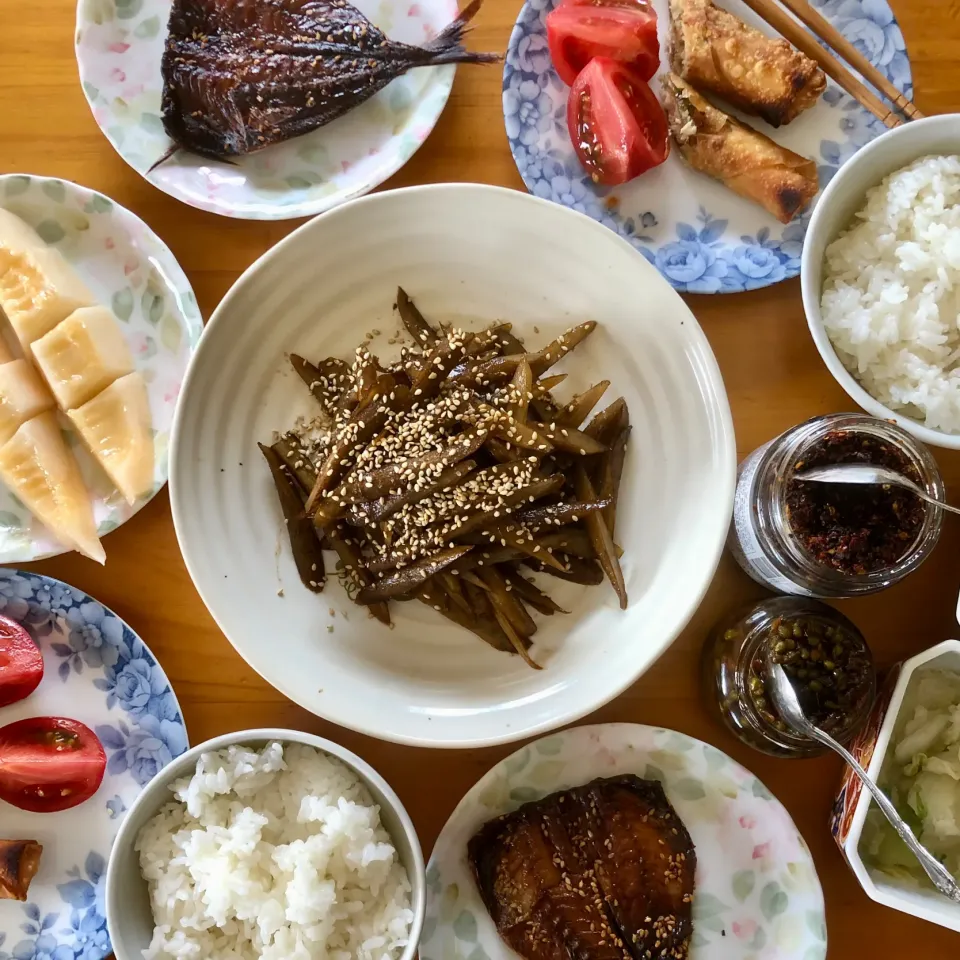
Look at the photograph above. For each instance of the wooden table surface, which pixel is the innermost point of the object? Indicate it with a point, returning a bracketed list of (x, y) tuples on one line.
[(772, 371)]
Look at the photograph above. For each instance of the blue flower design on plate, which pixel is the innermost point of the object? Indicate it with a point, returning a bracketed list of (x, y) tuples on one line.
[(101, 672), (701, 237)]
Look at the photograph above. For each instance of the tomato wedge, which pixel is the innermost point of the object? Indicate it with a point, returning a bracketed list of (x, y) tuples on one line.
[(579, 30), (49, 764), (617, 125), (21, 663)]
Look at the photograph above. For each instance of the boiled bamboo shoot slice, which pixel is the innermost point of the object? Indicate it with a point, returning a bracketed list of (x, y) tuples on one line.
[(23, 396), (83, 355), (38, 288), (37, 466), (115, 425)]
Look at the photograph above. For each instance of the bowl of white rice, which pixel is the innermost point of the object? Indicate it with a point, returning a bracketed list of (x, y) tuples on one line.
[(881, 278), (270, 844)]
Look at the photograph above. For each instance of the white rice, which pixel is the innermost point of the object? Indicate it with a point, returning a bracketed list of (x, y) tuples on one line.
[(277, 853), (891, 295)]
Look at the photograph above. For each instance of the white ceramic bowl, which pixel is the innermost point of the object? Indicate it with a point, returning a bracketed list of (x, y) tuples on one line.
[(472, 254), (129, 917), (843, 197), (900, 894)]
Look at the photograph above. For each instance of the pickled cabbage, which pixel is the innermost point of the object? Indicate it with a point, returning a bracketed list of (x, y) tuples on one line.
[(921, 775)]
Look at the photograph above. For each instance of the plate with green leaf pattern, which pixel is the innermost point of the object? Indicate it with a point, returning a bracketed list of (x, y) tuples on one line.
[(756, 897), (129, 269)]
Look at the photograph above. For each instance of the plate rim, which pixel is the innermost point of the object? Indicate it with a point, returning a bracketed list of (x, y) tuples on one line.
[(718, 414), (519, 30), (37, 578), (191, 326), (585, 730), (443, 74)]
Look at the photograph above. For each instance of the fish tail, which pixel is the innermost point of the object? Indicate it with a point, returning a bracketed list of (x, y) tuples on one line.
[(447, 46), (163, 159)]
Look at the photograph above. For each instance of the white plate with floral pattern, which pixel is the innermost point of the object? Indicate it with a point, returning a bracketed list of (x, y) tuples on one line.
[(119, 45), (97, 671), (757, 896), (129, 269), (699, 235)]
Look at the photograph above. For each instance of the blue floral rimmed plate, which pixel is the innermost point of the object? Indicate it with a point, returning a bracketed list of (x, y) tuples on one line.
[(698, 234), (97, 671)]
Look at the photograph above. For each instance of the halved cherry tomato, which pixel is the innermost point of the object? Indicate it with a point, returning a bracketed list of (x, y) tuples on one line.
[(617, 125), (49, 764), (21, 663), (626, 30)]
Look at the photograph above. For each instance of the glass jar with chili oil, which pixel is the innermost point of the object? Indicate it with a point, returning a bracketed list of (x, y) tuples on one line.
[(825, 657), (830, 539)]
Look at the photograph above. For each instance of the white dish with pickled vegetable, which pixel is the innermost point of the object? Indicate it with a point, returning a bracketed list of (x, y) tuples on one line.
[(469, 256), (912, 749)]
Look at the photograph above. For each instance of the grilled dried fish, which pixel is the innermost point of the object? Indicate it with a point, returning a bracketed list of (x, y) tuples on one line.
[(600, 872), (19, 861), (239, 75)]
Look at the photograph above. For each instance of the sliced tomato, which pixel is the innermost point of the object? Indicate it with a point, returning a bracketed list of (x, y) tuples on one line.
[(21, 663), (617, 125), (626, 30), (49, 764)]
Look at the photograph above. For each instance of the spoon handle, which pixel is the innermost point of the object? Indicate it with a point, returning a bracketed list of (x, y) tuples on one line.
[(926, 496), (938, 874)]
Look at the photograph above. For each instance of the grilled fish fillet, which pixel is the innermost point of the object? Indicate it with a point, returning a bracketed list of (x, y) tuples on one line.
[(239, 75), (600, 872), (19, 861)]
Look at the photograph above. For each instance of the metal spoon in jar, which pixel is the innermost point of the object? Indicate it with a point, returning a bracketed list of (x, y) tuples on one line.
[(788, 706), (864, 473)]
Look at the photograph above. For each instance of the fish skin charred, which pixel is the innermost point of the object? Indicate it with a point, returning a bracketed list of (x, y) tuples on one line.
[(239, 75), (600, 872)]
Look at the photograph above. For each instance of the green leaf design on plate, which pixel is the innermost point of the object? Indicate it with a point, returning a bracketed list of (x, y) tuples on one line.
[(433, 878), (128, 9), (55, 190), (688, 789), (151, 122), (816, 924), (524, 794), (465, 926), (99, 11), (122, 303), (429, 928), (50, 231), (108, 526), (760, 791), (698, 940), (302, 181), (550, 747), (478, 953), (715, 759), (547, 772), (513, 765), (773, 901), (100, 203), (669, 760), (715, 923), (313, 153), (447, 903), (148, 28), (93, 94), (707, 905), (815, 953), (16, 185), (149, 350), (10, 520), (653, 773), (743, 884), (399, 97), (151, 304), (170, 333), (759, 940)]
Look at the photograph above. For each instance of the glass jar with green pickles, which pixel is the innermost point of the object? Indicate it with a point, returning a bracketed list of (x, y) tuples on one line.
[(823, 653)]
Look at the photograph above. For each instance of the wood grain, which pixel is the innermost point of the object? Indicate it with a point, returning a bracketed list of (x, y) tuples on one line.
[(773, 374)]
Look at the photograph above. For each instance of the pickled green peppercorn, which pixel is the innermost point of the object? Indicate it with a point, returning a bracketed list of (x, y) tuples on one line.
[(829, 680)]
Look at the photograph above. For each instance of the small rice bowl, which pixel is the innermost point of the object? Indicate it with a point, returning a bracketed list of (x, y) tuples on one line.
[(276, 853), (891, 295)]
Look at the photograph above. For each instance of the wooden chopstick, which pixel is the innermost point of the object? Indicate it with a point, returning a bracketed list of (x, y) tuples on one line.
[(806, 43), (829, 33)]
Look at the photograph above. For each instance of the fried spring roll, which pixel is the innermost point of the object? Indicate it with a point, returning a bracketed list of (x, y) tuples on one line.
[(717, 52), (19, 861), (742, 159)]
